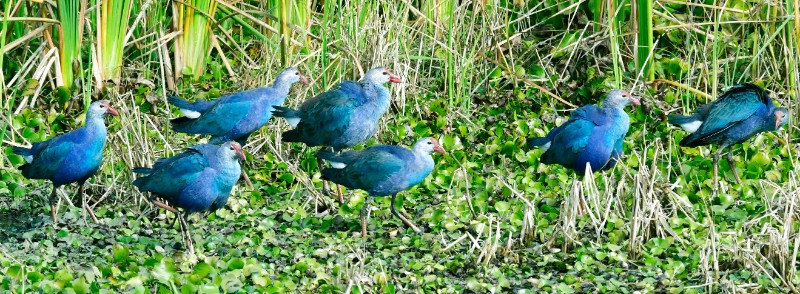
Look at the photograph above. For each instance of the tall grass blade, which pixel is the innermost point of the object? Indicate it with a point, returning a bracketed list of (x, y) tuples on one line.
[(70, 36), (644, 41), (112, 26), (291, 14), (194, 19)]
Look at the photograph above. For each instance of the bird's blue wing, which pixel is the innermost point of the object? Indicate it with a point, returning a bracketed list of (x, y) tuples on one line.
[(735, 105), (50, 154), (169, 177), (327, 116), (218, 120), (370, 167), (571, 138)]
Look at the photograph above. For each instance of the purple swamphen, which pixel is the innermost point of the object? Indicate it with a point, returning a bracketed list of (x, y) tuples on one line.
[(342, 117), (739, 114), (71, 157), (593, 135), (235, 116), (382, 170), (199, 179)]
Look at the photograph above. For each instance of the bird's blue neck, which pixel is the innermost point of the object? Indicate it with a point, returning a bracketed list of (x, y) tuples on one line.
[(96, 125), (423, 166), (282, 86), (229, 170), (378, 96), (608, 103)]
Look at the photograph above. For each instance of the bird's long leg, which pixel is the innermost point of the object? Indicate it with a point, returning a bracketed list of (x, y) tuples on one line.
[(715, 162), (403, 218), (164, 206), (246, 178), (85, 205), (185, 229), (168, 208), (733, 166), (325, 187), (339, 187), (363, 215), (53, 199)]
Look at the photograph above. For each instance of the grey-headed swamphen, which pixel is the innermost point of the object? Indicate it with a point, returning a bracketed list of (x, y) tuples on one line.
[(234, 116), (342, 117), (593, 135), (739, 114), (382, 170), (199, 179), (71, 157)]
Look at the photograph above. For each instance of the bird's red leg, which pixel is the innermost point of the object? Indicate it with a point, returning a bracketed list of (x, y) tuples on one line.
[(164, 206), (185, 228), (85, 205), (733, 166), (53, 199), (402, 218), (339, 189), (715, 160), (246, 178), (363, 215)]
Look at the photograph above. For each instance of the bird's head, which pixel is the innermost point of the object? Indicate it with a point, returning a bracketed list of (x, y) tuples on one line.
[(620, 99), (232, 150), (429, 146), (100, 109), (381, 75), (781, 117), (290, 76)]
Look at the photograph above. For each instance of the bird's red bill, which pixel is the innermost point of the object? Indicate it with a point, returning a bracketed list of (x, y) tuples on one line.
[(110, 110), (438, 147), (393, 78), (303, 79), (238, 150)]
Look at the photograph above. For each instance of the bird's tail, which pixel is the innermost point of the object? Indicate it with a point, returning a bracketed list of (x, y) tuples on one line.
[(679, 120), (179, 102), (142, 170), (140, 182), (20, 150), (292, 116), (284, 112), (327, 155), (537, 141), (182, 125)]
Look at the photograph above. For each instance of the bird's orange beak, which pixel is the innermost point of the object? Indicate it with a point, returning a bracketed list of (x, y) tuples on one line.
[(393, 78), (110, 110), (303, 79)]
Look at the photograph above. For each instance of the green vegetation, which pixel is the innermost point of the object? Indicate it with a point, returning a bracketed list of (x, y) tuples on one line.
[(480, 76), (111, 23)]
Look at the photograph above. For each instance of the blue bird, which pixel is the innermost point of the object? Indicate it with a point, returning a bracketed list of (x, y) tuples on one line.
[(342, 117), (234, 116), (199, 179), (71, 157), (382, 170), (593, 135), (739, 114)]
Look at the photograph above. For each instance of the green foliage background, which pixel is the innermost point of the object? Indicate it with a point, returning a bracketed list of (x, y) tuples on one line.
[(481, 76)]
